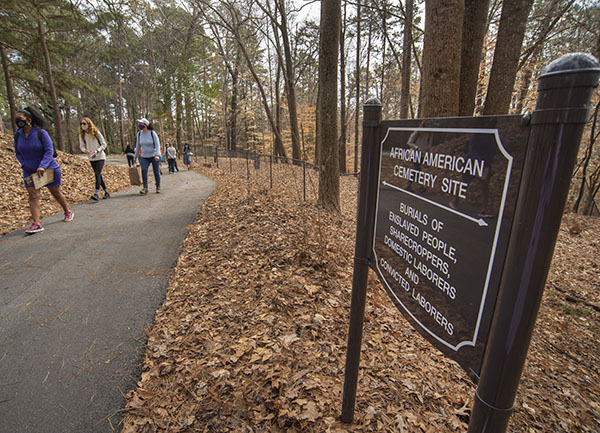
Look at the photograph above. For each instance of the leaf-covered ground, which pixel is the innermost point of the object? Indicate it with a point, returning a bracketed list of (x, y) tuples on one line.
[(252, 333), (77, 185)]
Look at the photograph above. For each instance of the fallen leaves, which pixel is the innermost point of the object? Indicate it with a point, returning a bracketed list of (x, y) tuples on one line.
[(77, 185), (252, 334)]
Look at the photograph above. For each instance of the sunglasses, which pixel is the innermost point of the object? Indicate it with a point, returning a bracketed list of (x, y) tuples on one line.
[(83, 123)]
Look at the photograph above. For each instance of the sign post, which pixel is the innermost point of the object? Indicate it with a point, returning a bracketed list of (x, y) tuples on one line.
[(362, 250), (565, 89), (459, 217)]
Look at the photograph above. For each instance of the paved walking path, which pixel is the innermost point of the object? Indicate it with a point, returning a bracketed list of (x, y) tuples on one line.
[(76, 299)]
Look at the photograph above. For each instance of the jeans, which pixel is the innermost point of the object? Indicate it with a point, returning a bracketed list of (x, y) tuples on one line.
[(145, 163), (97, 166), (171, 162)]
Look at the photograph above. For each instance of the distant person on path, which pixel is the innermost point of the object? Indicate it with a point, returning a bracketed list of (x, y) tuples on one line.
[(187, 156), (171, 158), (147, 149), (34, 150), (130, 155), (92, 143)]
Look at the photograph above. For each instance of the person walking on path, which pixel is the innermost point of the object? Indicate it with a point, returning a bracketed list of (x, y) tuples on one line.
[(34, 150), (187, 156), (147, 149), (171, 157), (92, 143), (129, 152)]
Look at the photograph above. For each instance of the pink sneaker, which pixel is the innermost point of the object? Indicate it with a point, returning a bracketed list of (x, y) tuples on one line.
[(35, 228), (69, 216)]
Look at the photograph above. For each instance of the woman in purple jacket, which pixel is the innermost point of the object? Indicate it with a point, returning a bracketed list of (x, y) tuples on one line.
[(34, 150)]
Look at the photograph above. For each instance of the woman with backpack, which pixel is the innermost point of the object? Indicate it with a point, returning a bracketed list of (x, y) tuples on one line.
[(147, 149), (187, 156), (92, 143), (34, 150)]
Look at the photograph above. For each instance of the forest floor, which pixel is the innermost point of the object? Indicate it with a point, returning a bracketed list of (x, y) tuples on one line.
[(252, 334)]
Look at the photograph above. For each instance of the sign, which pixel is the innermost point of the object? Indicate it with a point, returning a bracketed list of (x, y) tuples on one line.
[(445, 202)]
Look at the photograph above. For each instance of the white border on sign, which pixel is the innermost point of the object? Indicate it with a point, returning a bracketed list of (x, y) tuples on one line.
[(496, 235)]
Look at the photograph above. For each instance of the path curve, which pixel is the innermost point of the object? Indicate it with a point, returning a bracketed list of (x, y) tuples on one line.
[(76, 299)]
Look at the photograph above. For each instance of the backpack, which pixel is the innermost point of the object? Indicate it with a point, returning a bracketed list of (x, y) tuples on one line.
[(153, 140), (54, 154)]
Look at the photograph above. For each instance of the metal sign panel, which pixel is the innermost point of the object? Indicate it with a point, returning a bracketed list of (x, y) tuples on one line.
[(445, 201)]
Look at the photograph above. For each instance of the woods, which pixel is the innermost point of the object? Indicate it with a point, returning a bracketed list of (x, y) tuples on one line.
[(253, 75)]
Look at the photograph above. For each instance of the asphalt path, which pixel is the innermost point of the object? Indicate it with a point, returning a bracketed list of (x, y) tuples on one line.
[(77, 299)]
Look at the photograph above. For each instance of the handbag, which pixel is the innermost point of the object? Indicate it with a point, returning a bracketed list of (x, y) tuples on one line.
[(135, 175)]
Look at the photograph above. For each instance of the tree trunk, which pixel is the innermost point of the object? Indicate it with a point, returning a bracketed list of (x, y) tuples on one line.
[(49, 77), (318, 129), (586, 159), (9, 88), (233, 113), (525, 83), (513, 21), (441, 58), (178, 110), (406, 60), (329, 180), (367, 77), (278, 149), (357, 78), (343, 133), (70, 144), (383, 48), (189, 116), (120, 108), (290, 77), (474, 26)]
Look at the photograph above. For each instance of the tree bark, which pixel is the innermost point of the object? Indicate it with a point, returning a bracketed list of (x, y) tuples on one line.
[(513, 22), (290, 78), (474, 26), (70, 144), (586, 160), (343, 129), (178, 109), (406, 60), (367, 77), (9, 88), (120, 108), (233, 110), (383, 48), (525, 83), (441, 58), (49, 77), (357, 78), (328, 61)]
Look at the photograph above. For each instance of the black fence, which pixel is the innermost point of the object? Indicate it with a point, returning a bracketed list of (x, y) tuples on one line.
[(260, 167)]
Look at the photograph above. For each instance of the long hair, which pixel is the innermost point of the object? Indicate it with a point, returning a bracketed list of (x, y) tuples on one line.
[(92, 130), (36, 116), (150, 126)]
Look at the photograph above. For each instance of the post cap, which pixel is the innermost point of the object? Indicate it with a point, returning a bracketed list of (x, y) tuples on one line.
[(373, 101), (570, 71), (570, 62)]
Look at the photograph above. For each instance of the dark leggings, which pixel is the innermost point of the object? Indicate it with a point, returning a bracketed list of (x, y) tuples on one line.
[(97, 166)]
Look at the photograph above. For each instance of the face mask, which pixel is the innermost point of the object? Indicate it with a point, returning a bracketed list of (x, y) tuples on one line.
[(141, 126), (20, 123)]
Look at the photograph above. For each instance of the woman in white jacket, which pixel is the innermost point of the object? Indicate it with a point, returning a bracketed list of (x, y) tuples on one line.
[(92, 143)]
